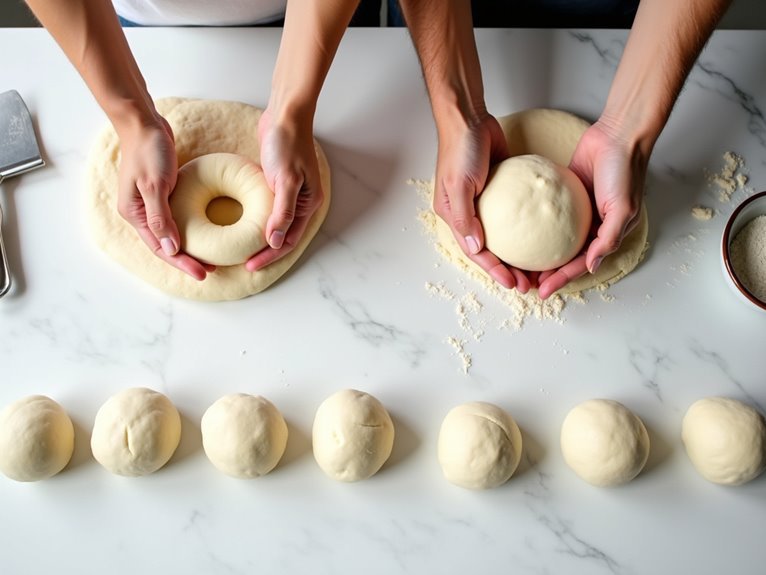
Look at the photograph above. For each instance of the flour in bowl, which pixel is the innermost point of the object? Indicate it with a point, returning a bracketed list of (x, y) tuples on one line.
[(748, 256)]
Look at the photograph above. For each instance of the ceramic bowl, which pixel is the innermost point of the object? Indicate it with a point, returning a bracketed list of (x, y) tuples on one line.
[(749, 209)]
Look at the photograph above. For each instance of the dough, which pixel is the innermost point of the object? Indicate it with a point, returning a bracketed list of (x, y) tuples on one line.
[(604, 442), (555, 134), (244, 435), (725, 440), (352, 436), (36, 439), (479, 446), (536, 214), (135, 432), (200, 127), (212, 176)]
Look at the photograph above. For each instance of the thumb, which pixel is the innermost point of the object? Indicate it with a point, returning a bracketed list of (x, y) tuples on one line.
[(159, 218), (286, 190), (460, 214)]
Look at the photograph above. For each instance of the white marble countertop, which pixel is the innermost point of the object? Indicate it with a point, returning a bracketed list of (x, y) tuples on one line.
[(356, 313)]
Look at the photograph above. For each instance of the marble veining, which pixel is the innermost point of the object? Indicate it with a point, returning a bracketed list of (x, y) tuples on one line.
[(355, 313), (725, 86), (375, 331)]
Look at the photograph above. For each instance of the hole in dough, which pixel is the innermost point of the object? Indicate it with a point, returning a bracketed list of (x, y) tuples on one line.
[(224, 211)]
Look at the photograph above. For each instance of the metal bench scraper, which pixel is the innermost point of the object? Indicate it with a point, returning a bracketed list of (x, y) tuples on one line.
[(19, 153)]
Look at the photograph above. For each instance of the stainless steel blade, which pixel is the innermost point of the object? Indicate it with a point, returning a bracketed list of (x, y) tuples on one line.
[(19, 151)]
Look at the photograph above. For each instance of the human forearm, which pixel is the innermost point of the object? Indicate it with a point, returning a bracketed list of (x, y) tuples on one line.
[(90, 36), (311, 36), (663, 45), (443, 36)]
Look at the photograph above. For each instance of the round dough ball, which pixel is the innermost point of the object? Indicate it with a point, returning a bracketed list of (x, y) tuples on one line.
[(352, 436), (536, 214), (604, 442), (553, 134), (479, 446), (211, 176), (244, 435), (135, 432), (36, 439), (725, 440)]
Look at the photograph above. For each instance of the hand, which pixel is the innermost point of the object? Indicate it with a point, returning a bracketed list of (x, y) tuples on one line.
[(614, 171), (290, 165), (465, 155), (148, 171)]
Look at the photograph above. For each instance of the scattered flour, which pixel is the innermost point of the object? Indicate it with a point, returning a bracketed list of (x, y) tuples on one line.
[(748, 256), (458, 346), (468, 306), (731, 178), (702, 213)]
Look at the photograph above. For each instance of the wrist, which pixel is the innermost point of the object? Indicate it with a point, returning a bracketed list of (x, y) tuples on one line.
[(129, 115), (297, 112), (637, 132), (454, 115)]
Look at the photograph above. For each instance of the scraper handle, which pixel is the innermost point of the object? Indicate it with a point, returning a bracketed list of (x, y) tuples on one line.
[(5, 275)]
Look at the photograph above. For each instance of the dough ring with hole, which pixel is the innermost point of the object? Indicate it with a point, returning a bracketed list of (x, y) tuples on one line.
[(200, 127), (202, 180)]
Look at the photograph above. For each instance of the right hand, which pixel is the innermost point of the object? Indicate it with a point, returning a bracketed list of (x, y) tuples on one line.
[(148, 172), (290, 165), (465, 155)]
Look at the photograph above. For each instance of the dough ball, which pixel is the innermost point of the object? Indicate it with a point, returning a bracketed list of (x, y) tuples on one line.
[(479, 446), (36, 439), (553, 134), (604, 442), (352, 436), (135, 432), (725, 440), (536, 214), (221, 175), (244, 435)]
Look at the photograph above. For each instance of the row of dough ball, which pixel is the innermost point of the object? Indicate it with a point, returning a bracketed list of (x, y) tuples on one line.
[(479, 446)]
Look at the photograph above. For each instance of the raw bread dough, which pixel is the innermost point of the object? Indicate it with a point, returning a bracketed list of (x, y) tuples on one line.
[(604, 442), (244, 435), (479, 446), (202, 180), (536, 214), (725, 440), (36, 439), (135, 432), (200, 127), (352, 435), (555, 134)]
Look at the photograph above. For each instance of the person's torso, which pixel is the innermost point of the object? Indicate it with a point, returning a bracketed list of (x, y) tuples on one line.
[(200, 12)]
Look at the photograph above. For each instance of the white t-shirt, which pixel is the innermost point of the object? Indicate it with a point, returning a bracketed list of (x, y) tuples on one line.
[(200, 12)]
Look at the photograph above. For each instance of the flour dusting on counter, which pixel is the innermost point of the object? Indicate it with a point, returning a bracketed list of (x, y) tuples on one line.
[(469, 309)]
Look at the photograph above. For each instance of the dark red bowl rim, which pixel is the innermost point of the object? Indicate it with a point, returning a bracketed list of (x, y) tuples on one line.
[(727, 256)]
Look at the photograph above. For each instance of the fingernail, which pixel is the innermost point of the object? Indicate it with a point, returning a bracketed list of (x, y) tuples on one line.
[(168, 246), (473, 245), (596, 263), (276, 239), (502, 279)]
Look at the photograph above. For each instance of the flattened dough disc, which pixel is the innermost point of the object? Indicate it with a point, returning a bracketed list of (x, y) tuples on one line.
[(200, 127)]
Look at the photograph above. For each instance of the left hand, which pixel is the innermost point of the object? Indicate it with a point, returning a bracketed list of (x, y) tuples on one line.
[(289, 162), (614, 171)]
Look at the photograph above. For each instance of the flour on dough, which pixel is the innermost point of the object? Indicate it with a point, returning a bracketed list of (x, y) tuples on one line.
[(200, 127)]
